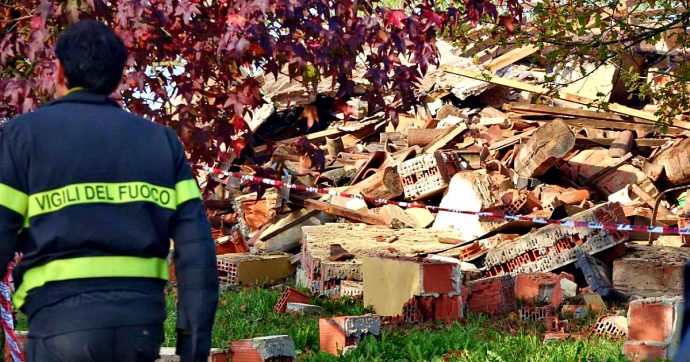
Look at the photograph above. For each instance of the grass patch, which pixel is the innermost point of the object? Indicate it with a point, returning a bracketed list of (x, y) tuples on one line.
[(249, 313)]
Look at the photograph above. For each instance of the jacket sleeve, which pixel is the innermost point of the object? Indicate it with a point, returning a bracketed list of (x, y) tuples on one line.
[(195, 264), (13, 200)]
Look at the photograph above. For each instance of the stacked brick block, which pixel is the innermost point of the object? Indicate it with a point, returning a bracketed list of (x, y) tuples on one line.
[(412, 289), (248, 269), (538, 288), (429, 174), (492, 295), (654, 328), (264, 349), (325, 277), (340, 334), (554, 246)]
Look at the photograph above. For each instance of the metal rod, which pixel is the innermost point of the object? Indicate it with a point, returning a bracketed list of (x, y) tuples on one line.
[(656, 206)]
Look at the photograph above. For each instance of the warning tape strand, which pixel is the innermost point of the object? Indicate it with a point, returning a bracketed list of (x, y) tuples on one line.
[(665, 230)]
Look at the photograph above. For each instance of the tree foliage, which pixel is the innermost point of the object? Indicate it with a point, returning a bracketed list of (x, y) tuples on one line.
[(193, 63)]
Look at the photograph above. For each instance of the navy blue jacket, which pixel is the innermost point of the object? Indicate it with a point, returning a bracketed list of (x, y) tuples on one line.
[(91, 195)]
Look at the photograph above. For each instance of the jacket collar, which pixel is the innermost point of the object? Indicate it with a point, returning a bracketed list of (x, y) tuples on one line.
[(80, 95)]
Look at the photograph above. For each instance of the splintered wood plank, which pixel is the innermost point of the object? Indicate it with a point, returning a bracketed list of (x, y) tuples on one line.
[(352, 215), (510, 57), (443, 140), (516, 84), (597, 123), (511, 83), (640, 142), (561, 111), (548, 144)]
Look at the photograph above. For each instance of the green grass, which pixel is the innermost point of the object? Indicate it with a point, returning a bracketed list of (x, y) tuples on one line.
[(249, 313)]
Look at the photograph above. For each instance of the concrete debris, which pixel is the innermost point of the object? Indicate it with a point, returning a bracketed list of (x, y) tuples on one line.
[(303, 309), (598, 277), (470, 191), (323, 276), (650, 271)]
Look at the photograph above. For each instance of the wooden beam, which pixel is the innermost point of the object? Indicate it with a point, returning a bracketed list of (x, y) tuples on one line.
[(602, 124), (442, 140), (516, 84), (352, 215), (511, 83), (560, 111), (507, 142), (510, 57), (641, 142)]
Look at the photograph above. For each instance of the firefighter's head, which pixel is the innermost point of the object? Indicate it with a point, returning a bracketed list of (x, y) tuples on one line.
[(90, 56)]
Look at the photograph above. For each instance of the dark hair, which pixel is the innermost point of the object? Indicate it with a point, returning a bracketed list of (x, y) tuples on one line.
[(92, 56)]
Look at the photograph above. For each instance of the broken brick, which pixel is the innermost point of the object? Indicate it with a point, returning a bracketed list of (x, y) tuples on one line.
[(270, 348), (429, 174), (637, 351), (554, 246), (412, 289), (540, 288), (612, 326), (339, 334), (290, 295), (654, 326), (536, 313), (492, 295), (250, 269)]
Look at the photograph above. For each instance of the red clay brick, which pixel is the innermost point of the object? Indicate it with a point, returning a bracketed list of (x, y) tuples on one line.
[(492, 295), (536, 287), (438, 278), (290, 295), (271, 348), (338, 333), (651, 321), (637, 352)]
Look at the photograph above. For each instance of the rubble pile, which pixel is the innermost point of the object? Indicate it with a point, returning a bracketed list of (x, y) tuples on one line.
[(491, 139)]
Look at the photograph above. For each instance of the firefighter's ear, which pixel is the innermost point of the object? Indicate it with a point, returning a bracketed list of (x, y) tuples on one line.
[(60, 80)]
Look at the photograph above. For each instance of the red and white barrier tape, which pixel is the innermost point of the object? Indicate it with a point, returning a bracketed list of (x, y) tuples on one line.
[(666, 230)]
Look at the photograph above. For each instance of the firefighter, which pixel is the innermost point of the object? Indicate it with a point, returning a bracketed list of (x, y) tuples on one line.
[(91, 196)]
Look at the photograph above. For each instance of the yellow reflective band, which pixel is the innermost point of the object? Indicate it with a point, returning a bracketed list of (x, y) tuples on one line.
[(75, 89), (187, 190), (13, 199), (105, 193), (89, 267)]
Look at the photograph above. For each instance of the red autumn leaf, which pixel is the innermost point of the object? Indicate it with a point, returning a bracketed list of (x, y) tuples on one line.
[(236, 20), (395, 18), (507, 22)]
